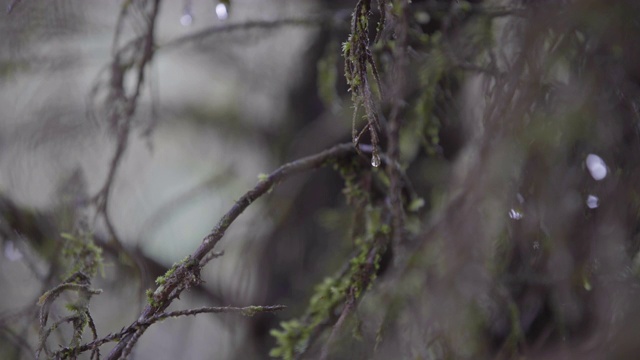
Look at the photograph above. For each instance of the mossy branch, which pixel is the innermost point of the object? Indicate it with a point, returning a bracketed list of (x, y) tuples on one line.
[(246, 311), (187, 274), (357, 62)]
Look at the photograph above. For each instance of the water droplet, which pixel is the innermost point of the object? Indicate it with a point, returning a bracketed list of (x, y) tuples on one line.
[(515, 214), (375, 160), (221, 11), (597, 167), (592, 202), (186, 20), (11, 252), (422, 17)]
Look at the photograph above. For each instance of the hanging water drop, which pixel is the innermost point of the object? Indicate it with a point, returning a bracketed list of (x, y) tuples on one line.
[(221, 11), (186, 20), (597, 167), (375, 160), (11, 251), (515, 214), (187, 16)]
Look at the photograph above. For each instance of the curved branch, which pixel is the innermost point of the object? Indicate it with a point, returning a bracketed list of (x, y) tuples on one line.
[(187, 274), (318, 20), (283, 172)]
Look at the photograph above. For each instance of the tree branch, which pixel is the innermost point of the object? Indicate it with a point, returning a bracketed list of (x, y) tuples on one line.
[(319, 20), (247, 311), (187, 274)]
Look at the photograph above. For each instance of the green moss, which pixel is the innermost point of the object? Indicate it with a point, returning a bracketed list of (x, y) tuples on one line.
[(252, 310), (368, 226), (81, 254), (72, 307), (161, 280), (151, 297), (293, 336), (186, 261), (291, 339)]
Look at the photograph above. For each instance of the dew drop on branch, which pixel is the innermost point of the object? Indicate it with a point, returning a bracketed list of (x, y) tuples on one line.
[(11, 252), (375, 160), (221, 11), (592, 202), (187, 18), (515, 214), (596, 166)]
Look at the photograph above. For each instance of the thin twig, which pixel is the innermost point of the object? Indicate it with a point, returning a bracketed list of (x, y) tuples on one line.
[(134, 339), (490, 11), (247, 310), (95, 354), (121, 110), (249, 25), (212, 255)]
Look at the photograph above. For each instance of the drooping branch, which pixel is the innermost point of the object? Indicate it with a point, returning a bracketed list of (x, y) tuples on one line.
[(119, 108)]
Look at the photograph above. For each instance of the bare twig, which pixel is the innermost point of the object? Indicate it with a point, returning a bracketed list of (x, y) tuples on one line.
[(134, 339), (44, 335), (320, 20), (491, 11), (95, 354), (121, 119), (212, 255), (120, 108)]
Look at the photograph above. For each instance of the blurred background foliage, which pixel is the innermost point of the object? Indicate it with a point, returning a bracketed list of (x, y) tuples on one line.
[(505, 224)]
